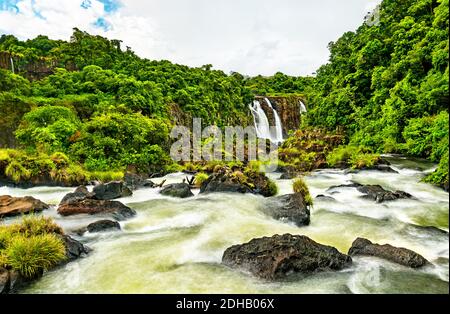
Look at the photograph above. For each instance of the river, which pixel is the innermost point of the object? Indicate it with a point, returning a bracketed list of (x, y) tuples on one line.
[(176, 245)]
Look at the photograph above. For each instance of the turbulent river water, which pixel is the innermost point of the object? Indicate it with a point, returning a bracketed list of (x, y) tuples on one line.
[(176, 245)]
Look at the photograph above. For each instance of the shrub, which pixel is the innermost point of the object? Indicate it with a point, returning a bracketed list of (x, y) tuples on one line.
[(362, 160), (32, 255), (341, 154), (272, 187), (17, 172), (440, 175), (299, 186), (354, 156)]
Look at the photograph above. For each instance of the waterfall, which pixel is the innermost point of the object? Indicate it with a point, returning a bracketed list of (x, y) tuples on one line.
[(12, 64), (261, 121), (278, 127), (302, 108)]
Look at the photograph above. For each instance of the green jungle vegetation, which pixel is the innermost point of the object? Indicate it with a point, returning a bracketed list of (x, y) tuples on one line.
[(103, 108)]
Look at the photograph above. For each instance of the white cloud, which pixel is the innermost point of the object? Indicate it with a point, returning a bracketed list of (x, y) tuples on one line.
[(251, 36)]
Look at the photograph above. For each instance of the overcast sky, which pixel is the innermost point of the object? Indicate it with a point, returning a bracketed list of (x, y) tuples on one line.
[(248, 36)]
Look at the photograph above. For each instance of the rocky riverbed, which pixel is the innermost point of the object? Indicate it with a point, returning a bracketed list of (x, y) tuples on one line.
[(177, 245)]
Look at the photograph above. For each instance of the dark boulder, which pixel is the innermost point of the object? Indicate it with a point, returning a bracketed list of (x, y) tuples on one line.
[(180, 190), (103, 225), (74, 248), (378, 194), (79, 194), (394, 254), (13, 206), (219, 182), (91, 206), (291, 207), (111, 190), (322, 197), (280, 255), (373, 192), (136, 181)]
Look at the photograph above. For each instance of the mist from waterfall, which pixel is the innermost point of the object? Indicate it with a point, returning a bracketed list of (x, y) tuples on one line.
[(278, 127)]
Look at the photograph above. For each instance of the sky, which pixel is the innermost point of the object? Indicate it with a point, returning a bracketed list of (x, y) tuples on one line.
[(247, 36)]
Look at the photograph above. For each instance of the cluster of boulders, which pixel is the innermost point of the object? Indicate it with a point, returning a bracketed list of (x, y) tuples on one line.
[(81, 201), (280, 256)]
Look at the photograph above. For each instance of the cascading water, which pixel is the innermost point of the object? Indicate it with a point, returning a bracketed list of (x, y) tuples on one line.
[(12, 64), (261, 121), (302, 107), (278, 127)]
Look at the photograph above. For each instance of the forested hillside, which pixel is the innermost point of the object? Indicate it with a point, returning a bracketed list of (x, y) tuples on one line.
[(104, 107), (387, 84)]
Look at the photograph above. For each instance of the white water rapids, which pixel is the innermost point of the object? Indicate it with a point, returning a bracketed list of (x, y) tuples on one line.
[(175, 245)]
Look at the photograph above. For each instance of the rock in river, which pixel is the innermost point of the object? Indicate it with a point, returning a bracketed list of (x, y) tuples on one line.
[(181, 190), (111, 190), (291, 207), (92, 206), (103, 225), (378, 194), (79, 194), (12, 206), (394, 254), (280, 255)]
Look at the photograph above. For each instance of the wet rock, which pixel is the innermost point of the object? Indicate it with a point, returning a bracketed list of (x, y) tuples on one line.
[(350, 185), (180, 190), (5, 281), (111, 190), (379, 167), (280, 255), (12, 206), (322, 197), (137, 181), (91, 206), (394, 254), (290, 207), (79, 194), (378, 194), (373, 192), (74, 248), (103, 225), (219, 182)]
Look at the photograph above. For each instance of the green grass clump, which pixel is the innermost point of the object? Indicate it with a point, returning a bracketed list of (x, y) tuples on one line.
[(341, 154), (32, 255), (33, 225), (200, 177), (299, 186), (106, 176), (31, 246)]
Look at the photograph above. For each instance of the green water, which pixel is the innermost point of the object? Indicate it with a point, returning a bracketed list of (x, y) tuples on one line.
[(175, 246)]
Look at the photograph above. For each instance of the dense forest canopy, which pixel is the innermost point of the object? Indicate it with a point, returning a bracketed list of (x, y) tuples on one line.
[(386, 84)]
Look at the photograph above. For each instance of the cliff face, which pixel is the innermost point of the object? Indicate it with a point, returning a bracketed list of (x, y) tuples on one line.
[(32, 70), (288, 109)]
